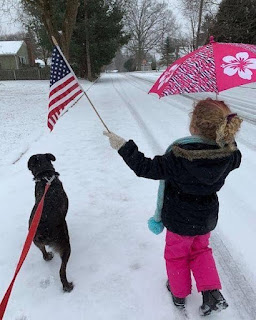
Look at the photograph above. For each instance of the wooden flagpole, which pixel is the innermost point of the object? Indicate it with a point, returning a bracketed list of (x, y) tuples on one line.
[(92, 105)]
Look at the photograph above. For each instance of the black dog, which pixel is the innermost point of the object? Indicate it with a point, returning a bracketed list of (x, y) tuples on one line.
[(52, 229)]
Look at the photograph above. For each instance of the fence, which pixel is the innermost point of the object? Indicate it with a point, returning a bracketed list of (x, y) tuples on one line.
[(25, 74)]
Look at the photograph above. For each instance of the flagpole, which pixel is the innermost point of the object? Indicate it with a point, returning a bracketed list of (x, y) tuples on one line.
[(104, 124)]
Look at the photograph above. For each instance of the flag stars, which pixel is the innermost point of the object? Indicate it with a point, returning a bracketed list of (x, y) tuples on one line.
[(59, 69)]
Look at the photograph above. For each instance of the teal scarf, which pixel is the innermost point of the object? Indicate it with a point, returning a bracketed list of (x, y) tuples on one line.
[(155, 223)]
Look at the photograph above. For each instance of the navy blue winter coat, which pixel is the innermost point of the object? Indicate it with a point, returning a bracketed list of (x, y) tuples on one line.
[(193, 174)]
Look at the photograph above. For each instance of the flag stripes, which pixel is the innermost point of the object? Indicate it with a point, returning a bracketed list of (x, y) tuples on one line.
[(62, 94), (56, 88), (64, 88), (55, 113)]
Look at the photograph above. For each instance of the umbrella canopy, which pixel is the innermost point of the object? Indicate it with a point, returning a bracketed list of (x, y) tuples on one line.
[(212, 68)]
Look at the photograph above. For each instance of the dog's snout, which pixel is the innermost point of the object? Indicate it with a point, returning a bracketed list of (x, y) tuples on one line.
[(50, 157)]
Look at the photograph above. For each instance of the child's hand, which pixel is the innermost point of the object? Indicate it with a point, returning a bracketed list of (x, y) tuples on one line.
[(116, 142)]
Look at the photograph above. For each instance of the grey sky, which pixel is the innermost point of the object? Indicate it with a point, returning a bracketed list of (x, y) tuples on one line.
[(9, 25), (9, 16)]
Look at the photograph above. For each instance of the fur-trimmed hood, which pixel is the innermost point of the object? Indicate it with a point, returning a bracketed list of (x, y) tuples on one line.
[(207, 163), (191, 155)]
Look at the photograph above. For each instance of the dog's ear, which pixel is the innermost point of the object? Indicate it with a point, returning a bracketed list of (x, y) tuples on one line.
[(50, 156), (31, 162)]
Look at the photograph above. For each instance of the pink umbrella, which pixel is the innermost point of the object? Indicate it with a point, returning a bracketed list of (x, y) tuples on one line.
[(212, 68)]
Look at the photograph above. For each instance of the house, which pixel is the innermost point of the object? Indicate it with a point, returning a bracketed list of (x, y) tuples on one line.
[(15, 55), (146, 65)]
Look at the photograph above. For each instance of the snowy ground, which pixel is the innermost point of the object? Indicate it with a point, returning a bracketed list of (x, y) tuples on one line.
[(116, 264)]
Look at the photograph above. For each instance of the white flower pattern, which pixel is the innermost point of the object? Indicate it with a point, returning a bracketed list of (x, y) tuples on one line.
[(240, 64), (167, 75)]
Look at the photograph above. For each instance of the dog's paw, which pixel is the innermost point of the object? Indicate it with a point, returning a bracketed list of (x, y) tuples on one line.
[(68, 287), (48, 256)]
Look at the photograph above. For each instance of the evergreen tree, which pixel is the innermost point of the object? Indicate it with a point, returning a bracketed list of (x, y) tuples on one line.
[(32, 19), (206, 29), (167, 50), (153, 64), (130, 65), (235, 22), (105, 36), (43, 44), (57, 16)]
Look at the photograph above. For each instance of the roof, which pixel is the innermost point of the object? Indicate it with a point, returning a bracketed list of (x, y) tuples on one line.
[(10, 47)]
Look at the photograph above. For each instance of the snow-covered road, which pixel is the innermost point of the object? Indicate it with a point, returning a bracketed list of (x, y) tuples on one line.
[(116, 264)]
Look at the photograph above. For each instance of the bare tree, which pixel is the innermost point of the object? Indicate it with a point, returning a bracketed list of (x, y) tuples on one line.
[(147, 22), (194, 11), (13, 36), (8, 8), (9, 19), (46, 9)]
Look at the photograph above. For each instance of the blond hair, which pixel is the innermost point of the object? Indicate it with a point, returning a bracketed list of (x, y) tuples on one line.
[(213, 119)]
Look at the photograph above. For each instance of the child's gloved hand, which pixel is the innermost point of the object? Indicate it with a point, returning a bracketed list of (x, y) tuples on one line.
[(116, 142), (154, 226)]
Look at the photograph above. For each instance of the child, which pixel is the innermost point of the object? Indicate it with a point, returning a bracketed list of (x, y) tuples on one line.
[(193, 169)]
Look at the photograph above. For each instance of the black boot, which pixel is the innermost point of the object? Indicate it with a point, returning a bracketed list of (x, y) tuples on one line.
[(178, 302), (212, 300)]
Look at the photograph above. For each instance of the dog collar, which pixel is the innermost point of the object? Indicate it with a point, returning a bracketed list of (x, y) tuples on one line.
[(48, 180)]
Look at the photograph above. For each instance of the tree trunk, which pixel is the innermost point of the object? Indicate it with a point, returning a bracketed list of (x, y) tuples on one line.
[(199, 23), (193, 33), (64, 35), (177, 49), (87, 43), (65, 45), (69, 24), (139, 58), (45, 56)]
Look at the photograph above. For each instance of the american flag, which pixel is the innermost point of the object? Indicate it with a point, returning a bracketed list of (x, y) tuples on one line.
[(64, 88)]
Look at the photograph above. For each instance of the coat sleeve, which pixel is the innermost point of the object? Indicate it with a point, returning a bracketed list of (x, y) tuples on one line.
[(159, 168)]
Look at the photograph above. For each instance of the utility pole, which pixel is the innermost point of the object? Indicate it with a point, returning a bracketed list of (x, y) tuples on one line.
[(87, 42), (199, 23)]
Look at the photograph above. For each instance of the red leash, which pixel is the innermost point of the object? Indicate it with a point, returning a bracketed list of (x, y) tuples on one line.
[(26, 247)]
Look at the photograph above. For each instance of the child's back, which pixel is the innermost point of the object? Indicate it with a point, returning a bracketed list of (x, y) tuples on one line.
[(192, 171), (199, 171)]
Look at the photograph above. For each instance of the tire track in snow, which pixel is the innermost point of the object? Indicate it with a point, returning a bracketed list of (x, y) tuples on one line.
[(139, 120), (155, 146), (245, 112), (248, 144), (240, 292)]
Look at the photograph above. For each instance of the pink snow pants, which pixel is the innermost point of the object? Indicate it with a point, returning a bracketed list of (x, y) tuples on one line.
[(184, 254)]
